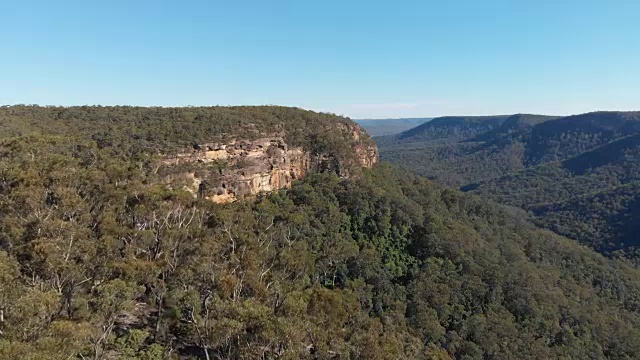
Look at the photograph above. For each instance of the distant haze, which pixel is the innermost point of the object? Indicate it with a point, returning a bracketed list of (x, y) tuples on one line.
[(378, 127)]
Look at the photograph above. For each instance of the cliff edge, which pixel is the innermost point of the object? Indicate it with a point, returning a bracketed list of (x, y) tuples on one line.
[(229, 171)]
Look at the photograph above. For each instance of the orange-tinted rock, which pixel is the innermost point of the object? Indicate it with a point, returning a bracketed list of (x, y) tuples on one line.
[(262, 165)]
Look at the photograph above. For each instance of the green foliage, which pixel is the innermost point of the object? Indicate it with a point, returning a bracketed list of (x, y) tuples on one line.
[(572, 173), (449, 128), (131, 133), (99, 260), (607, 218)]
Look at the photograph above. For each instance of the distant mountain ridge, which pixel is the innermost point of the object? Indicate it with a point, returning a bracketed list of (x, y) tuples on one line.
[(528, 139), (458, 127), (514, 124), (592, 130), (540, 163), (380, 127)]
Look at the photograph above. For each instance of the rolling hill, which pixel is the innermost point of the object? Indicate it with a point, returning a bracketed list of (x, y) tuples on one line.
[(531, 161), (103, 255)]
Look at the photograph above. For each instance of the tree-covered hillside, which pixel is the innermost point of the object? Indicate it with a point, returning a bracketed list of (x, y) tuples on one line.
[(567, 137), (133, 130), (609, 218), (515, 127), (449, 128), (533, 161), (605, 167), (99, 259), (461, 150)]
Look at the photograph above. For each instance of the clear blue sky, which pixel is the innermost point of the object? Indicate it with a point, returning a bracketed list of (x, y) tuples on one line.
[(357, 58)]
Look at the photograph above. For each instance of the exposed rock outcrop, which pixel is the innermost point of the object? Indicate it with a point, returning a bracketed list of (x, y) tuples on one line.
[(232, 171)]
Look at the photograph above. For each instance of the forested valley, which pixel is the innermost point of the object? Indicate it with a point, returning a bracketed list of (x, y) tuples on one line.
[(101, 258), (576, 175)]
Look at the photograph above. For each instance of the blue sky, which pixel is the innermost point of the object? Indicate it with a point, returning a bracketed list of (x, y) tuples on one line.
[(357, 58)]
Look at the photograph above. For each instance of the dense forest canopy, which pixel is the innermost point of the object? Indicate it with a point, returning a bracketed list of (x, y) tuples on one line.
[(99, 259), (133, 129), (551, 166)]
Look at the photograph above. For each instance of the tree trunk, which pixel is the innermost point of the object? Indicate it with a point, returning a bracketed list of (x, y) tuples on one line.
[(159, 299), (1, 321)]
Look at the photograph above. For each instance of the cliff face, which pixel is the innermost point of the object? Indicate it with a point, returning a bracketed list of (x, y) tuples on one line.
[(240, 150), (227, 172), (366, 151)]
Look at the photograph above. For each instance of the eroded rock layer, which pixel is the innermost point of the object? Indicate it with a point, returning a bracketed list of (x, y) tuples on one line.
[(232, 171)]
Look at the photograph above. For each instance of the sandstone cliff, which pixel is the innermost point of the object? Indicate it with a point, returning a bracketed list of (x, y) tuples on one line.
[(227, 172)]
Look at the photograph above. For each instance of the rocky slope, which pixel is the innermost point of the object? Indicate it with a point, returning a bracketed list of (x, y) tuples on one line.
[(227, 172), (219, 153)]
